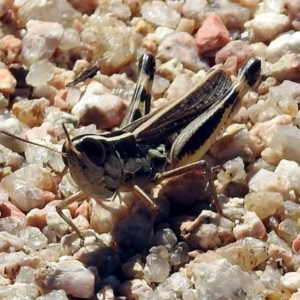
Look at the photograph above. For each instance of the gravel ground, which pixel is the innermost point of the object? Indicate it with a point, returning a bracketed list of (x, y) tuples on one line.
[(250, 252)]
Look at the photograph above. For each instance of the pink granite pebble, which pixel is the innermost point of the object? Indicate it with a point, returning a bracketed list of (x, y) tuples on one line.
[(212, 35)]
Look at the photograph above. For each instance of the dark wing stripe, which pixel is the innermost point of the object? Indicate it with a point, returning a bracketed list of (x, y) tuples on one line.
[(141, 100), (177, 114), (193, 142)]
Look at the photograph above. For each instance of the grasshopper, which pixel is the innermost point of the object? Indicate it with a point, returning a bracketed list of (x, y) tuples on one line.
[(130, 158), (104, 164)]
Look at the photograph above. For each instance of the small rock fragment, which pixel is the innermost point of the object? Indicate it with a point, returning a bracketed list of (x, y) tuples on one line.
[(252, 227), (41, 40), (106, 111), (247, 253), (10, 243), (222, 280), (40, 73), (160, 15), (291, 281), (284, 44), (57, 295), (237, 49), (10, 47), (266, 26), (276, 252), (7, 82), (157, 267), (265, 180), (52, 11), (182, 46), (263, 203), (208, 231), (57, 224), (212, 35), (135, 288), (34, 238), (31, 112), (288, 230), (286, 68), (70, 276)]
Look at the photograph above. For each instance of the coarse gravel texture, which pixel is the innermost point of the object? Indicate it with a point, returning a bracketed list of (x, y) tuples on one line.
[(251, 252)]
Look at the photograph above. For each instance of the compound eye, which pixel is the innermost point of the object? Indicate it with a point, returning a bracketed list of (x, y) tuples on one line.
[(93, 150)]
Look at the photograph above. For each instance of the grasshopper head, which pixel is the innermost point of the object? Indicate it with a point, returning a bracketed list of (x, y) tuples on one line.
[(84, 148), (86, 158)]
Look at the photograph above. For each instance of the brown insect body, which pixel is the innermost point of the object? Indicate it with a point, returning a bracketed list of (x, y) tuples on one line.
[(101, 165)]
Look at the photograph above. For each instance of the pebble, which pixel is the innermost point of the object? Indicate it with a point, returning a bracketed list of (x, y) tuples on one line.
[(252, 226), (159, 34), (156, 269), (293, 9), (60, 12), (5, 5), (277, 252), (181, 46), (295, 296), (19, 290), (70, 39), (266, 180), (10, 159), (248, 3), (166, 237), (262, 132), (58, 295), (120, 46), (45, 91), (186, 25), (33, 238), (207, 231), (57, 224), (40, 72), (7, 82), (10, 47), (29, 187), (291, 281), (263, 203), (284, 44), (41, 40), (293, 88), (289, 136), (7, 209), (180, 86), (296, 244), (105, 214), (286, 68), (69, 275), (106, 293), (290, 171), (247, 253), (288, 230), (233, 15), (10, 243), (134, 288), (160, 14), (105, 111), (133, 268), (266, 26), (171, 69), (31, 112), (212, 35), (234, 49), (212, 278)]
